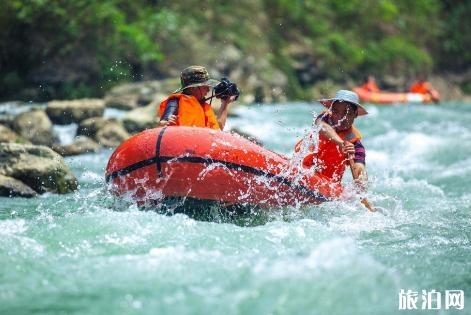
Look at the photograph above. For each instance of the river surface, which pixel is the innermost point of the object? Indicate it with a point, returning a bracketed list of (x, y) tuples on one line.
[(80, 254)]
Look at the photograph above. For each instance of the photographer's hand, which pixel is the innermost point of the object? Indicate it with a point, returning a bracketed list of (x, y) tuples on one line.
[(226, 102), (223, 110), (172, 121)]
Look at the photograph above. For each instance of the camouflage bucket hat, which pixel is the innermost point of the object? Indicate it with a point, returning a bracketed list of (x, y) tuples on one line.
[(195, 76)]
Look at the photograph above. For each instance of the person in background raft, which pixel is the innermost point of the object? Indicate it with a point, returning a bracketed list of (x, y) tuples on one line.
[(370, 85), (339, 141), (422, 86), (188, 106)]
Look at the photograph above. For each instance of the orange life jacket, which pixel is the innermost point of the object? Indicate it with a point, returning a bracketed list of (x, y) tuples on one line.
[(191, 112), (420, 87), (329, 159), (370, 86)]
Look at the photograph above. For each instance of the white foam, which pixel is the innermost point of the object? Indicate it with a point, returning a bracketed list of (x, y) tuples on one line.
[(17, 226), (66, 133), (114, 113), (459, 169)]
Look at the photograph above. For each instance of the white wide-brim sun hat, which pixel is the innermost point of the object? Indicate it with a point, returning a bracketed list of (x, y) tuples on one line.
[(345, 96)]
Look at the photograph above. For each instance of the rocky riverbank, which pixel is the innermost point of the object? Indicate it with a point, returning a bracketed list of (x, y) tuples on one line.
[(31, 153)]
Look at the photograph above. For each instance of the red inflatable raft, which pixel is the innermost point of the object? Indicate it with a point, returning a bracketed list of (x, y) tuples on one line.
[(209, 165), (392, 98)]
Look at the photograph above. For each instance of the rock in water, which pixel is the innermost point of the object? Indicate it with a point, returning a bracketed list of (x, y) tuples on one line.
[(89, 127), (39, 167), (111, 135), (8, 135), (107, 132), (140, 119), (67, 112), (81, 145), (10, 187), (35, 126)]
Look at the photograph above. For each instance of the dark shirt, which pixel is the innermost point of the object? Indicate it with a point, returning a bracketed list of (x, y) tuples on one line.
[(170, 109), (360, 153)]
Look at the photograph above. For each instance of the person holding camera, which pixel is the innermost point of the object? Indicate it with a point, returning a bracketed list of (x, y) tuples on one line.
[(188, 105)]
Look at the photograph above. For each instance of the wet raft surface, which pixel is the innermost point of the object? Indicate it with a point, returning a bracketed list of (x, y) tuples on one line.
[(84, 253)]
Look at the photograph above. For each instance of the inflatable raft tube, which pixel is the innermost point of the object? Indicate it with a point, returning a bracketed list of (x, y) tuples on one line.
[(207, 165), (392, 98)]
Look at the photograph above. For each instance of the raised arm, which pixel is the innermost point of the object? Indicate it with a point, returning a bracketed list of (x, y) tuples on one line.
[(330, 133), (223, 110)]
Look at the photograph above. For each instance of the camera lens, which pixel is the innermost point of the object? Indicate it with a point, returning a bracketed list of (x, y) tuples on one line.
[(226, 89)]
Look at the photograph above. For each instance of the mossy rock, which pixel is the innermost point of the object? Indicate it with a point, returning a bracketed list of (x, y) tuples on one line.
[(38, 167)]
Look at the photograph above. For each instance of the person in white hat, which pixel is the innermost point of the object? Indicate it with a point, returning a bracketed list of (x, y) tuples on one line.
[(339, 141)]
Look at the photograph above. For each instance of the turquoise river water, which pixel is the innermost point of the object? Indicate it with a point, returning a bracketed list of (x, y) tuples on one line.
[(79, 254)]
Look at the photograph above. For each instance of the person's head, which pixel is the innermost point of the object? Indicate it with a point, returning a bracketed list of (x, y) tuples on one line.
[(343, 114), (197, 91), (344, 107), (195, 81), (371, 78), (421, 77)]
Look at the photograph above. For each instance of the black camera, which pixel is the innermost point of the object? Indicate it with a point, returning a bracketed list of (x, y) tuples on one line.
[(226, 89)]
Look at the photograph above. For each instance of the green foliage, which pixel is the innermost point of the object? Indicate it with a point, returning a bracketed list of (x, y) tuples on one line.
[(466, 87), (455, 48), (396, 56), (70, 46), (68, 49), (340, 54)]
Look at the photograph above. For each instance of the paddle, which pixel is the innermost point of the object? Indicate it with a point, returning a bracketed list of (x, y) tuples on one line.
[(364, 201)]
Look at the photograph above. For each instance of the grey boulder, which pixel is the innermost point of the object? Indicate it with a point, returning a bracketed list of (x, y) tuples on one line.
[(141, 118), (38, 167), (67, 112), (35, 126), (10, 187), (81, 145), (8, 135)]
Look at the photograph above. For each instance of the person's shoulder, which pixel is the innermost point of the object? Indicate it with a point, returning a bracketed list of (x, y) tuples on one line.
[(176, 95), (172, 96), (182, 97), (356, 132)]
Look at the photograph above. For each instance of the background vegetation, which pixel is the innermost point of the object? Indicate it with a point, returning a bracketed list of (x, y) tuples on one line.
[(77, 48)]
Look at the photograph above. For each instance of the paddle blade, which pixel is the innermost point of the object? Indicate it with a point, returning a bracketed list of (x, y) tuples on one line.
[(368, 205)]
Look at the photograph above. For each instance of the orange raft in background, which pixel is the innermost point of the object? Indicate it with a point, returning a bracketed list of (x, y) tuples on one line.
[(391, 98), (209, 165)]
